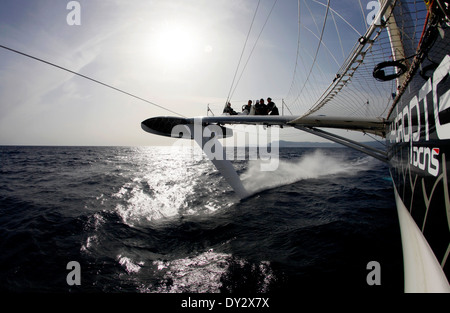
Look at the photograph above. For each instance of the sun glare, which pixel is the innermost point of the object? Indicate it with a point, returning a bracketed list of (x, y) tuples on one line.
[(176, 45)]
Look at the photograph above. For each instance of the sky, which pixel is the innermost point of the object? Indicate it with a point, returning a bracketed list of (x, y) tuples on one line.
[(181, 55)]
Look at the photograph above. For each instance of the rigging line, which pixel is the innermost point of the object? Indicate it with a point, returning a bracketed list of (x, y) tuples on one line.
[(317, 50), (298, 51), (443, 9), (89, 78), (284, 104), (425, 24), (338, 34), (298, 46), (362, 13), (324, 45), (242, 53), (341, 17), (375, 139), (254, 46), (312, 15)]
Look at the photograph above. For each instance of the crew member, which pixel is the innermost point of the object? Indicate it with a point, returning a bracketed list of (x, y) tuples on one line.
[(271, 107), (228, 109), (263, 107), (247, 108)]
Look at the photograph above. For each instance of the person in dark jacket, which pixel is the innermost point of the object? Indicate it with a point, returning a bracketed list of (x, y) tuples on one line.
[(228, 109), (263, 107), (247, 108), (271, 107), (258, 108)]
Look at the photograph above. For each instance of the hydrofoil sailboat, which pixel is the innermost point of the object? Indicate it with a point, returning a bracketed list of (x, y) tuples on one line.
[(393, 84)]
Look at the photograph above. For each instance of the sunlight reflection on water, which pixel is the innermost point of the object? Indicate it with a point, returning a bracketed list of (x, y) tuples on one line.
[(164, 182), (209, 272)]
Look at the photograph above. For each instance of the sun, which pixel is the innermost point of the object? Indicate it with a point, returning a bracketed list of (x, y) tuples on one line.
[(176, 44)]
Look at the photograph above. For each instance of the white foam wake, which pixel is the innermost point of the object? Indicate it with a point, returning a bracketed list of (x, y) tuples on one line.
[(314, 165)]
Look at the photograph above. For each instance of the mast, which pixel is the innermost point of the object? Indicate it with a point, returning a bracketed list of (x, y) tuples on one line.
[(355, 59)]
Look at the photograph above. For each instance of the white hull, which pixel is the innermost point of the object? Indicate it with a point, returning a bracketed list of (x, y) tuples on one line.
[(423, 273)]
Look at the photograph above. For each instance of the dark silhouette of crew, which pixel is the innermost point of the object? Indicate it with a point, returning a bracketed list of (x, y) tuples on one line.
[(246, 109), (260, 107), (271, 107), (228, 109)]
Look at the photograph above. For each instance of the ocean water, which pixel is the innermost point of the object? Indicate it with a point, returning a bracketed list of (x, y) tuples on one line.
[(157, 220)]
